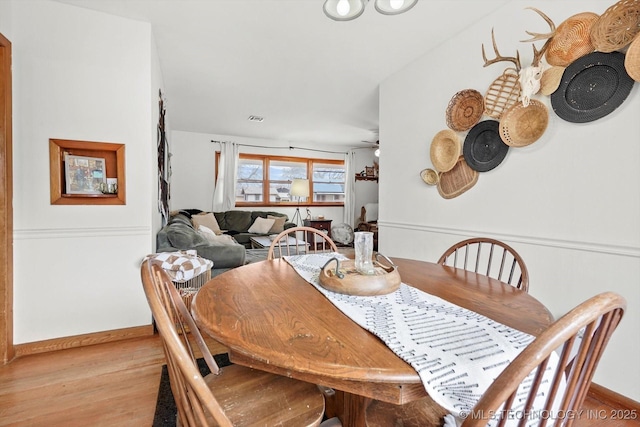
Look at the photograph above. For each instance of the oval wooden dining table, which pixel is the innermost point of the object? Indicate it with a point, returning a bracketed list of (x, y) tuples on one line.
[(271, 319)]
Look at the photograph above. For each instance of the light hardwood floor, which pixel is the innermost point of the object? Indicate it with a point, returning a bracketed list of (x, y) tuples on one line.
[(116, 384)]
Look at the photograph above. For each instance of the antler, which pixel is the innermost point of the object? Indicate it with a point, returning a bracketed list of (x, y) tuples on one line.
[(537, 54), (541, 36), (500, 58)]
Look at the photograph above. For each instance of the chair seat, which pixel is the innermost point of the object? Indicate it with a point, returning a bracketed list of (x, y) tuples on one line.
[(255, 398)]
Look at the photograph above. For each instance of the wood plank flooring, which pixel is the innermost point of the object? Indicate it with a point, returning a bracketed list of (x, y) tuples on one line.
[(116, 384)]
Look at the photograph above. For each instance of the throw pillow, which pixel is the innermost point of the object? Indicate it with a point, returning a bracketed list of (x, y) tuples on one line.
[(278, 225), (208, 220), (214, 239), (261, 225), (182, 265)]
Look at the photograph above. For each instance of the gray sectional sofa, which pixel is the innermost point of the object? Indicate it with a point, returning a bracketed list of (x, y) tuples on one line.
[(180, 234)]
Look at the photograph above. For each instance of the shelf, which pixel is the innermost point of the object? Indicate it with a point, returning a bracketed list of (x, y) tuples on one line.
[(109, 157), (366, 178)]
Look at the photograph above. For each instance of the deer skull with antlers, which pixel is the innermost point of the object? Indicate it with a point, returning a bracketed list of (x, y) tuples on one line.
[(529, 77)]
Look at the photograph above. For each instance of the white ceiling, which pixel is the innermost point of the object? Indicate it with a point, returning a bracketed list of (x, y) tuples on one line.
[(311, 78)]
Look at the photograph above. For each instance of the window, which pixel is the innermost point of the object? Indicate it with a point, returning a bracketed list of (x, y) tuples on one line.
[(328, 182), (266, 180)]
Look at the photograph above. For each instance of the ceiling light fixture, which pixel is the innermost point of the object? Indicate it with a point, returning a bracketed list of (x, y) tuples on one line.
[(346, 10)]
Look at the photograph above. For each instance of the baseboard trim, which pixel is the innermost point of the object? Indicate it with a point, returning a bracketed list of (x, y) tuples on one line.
[(82, 340), (613, 399)]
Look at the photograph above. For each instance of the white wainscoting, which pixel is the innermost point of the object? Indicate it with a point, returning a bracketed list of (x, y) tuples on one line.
[(562, 274)]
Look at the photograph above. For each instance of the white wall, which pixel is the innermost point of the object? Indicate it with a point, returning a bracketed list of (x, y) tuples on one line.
[(193, 170), (569, 203), (5, 18), (79, 75)]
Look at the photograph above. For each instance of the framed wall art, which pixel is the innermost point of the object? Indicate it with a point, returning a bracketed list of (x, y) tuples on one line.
[(84, 175)]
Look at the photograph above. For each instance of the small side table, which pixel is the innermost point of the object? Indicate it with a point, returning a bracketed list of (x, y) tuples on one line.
[(320, 224)]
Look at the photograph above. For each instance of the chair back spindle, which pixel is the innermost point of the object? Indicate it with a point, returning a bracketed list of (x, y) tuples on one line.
[(307, 240), (501, 260)]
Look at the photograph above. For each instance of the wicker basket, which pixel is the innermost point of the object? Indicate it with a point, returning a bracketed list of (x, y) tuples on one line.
[(521, 126), (429, 176), (632, 59), (617, 26), (550, 80), (188, 288), (458, 180), (445, 149), (465, 110), (502, 94)]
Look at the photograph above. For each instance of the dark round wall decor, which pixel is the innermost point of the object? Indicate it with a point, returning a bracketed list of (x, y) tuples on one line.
[(592, 87), (483, 148)]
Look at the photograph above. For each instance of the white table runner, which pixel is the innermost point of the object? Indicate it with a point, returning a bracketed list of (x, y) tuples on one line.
[(456, 352)]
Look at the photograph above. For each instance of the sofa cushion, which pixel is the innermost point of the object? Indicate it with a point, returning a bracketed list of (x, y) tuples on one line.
[(237, 221), (278, 223), (208, 220), (261, 225), (183, 236)]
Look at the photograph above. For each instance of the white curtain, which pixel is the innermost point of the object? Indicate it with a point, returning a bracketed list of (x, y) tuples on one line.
[(349, 188), (224, 194)]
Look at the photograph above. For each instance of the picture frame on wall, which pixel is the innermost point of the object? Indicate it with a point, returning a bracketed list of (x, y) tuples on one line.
[(84, 175)]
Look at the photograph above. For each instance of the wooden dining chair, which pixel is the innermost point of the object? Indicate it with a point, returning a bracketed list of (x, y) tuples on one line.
[(579, 338), (310, 240), (489, 257), (239, 397)]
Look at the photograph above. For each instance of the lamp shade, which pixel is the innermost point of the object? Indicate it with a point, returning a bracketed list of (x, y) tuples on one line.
[(300, 187), (344, 10), (394, 7)]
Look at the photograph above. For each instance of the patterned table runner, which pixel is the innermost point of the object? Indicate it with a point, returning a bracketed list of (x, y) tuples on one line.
[(456, 352)]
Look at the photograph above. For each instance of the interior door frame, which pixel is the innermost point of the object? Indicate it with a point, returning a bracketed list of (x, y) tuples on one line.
[(7, 352)]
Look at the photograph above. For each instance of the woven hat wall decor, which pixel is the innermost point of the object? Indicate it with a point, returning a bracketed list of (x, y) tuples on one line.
[(571, 40)]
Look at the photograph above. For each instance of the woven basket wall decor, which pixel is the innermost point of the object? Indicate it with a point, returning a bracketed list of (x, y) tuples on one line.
[(464, 110), (550, 80), (521, 126), (458, 180), (632, 59), (429, 176), (504, 92), (571, 40), (445, 149), (617, 26)]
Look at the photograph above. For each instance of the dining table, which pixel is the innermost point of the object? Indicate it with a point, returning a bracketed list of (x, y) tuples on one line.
[(272, 319)]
